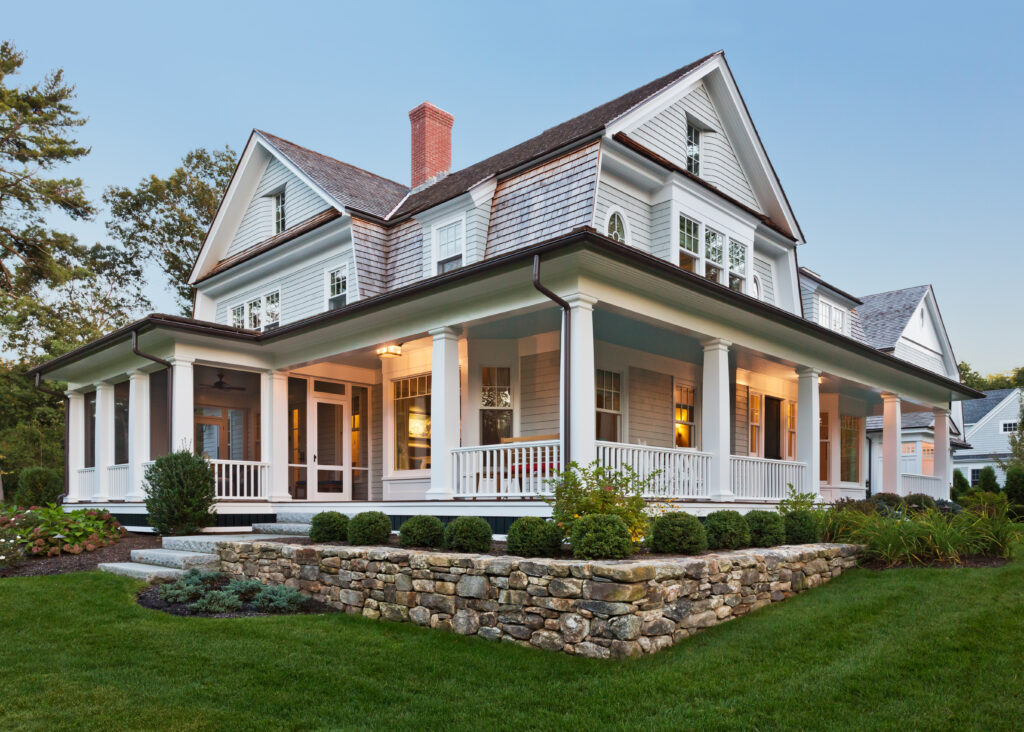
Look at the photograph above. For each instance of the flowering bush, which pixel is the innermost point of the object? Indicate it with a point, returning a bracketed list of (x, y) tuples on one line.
[(595, 489), (48, 531)]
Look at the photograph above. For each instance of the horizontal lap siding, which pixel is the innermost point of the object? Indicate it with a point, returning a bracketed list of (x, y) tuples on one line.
[(650, 408), (300, 203), (539, 376), (665, 134), (741, 435), (376, 442), (552, 199), (763, 270), (810, 302), (919, 356), (661, 231), (637, 213)]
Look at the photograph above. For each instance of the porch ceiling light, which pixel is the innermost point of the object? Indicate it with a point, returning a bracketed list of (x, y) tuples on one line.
[(392, 351)]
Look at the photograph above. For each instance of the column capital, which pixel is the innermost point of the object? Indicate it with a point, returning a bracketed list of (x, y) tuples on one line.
[(890, 397), (579, 300), (136, 374), (940, 410), (808, 372), (445, 331), (181, 360), (715, 344)]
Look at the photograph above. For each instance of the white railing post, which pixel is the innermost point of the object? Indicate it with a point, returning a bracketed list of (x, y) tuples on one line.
[(138, 433), (104, 440), (505, 471), (715, 419), (808, 429)]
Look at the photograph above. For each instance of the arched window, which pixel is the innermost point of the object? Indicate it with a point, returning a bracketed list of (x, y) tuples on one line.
[(757, 288), (617, 227)]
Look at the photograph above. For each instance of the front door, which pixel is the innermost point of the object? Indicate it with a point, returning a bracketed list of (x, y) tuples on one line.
[(330, 433), (773, 428)]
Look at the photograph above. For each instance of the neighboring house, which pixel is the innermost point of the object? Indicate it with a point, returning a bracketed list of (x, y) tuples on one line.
[(989, 424), (622, 287)]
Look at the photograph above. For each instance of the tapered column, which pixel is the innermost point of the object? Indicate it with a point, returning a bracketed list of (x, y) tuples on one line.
[(940, 464), (892, 443), (583, 393), (808, 428), (444, 411), (104, 440), (138, 433), (76, 446), (715, 418), (274, 433), (183, 420)]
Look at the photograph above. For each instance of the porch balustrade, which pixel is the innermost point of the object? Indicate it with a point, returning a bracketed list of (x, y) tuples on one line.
[(86, 483), (240, 479), (119, 478), (930, 485), (516, 470), (763, 479), (678, 473)]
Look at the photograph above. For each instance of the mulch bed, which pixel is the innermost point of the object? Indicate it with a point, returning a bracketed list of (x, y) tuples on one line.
[(62, 563), (150, 598)]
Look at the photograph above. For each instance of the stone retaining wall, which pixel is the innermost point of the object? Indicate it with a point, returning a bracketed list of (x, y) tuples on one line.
[(599, 609)]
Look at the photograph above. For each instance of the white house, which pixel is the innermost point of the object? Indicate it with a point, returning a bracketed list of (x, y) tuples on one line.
[(623, 287), (990, 422)]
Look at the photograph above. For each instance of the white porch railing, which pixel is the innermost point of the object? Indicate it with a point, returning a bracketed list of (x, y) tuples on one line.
[(240, 479), (119, 477), (764, 479), (682, 473), (86, 483), (516, 470), (927, 484)]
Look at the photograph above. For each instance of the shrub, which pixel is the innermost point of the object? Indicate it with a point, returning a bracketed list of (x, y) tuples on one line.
[(38, 487), (601, 536), (863, 505), (468, 534), (726, 530), (1014, 488), (678, 532), (801, 527), (984, 502), (180, 493), (216, 601), (279, 599), (427, 531), (328, 526), (596, 489), (189, 587), (797, 501), (987, 481), (961, 486), (919, 501), (50, 530), (368, 528), (532, 536), (887, 501), (11, 548), (766, 528), (245, 589)]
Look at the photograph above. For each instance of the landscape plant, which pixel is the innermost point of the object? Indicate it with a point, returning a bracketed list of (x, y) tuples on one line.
[(766, 528), (49, 530), (1014, 490), (532, 536), (369, 528), (726, 530), (802, 527), (580, 491), (468, 534), (328, 526), (180, 494), (961, 486), (38, 487), (421, 531), (601, 536), (919, 501), (678, 532), (987, 481), (212, 593)]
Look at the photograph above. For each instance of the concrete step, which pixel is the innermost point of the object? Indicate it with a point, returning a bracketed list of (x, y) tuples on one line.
[(207, 543), (283, 529), (145, 572), (176, 559)]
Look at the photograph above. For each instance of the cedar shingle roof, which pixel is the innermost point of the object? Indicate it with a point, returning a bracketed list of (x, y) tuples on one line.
[(885, 315)]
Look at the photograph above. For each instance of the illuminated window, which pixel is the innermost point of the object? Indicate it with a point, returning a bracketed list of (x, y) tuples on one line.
[(412, 423), (824, 448), (684, 417), (791, 430), (755, 424), (609, 404), (495, 404), (849, 449)]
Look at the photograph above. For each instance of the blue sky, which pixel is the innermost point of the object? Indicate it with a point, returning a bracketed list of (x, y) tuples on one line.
[(894, 127)]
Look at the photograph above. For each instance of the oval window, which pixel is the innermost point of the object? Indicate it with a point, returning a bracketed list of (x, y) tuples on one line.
[(616, 228)]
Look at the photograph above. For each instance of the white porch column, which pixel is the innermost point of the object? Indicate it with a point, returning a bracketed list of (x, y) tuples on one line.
[(138, 433), (444, 411), (583, 394), (274, 433), (940, 464), (183, 420), (76, 446), (715, 418), (104, 439), (808, 428), (892, 443)]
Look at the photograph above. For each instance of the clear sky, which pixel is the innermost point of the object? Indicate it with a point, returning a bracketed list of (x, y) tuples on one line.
[(895, 127)]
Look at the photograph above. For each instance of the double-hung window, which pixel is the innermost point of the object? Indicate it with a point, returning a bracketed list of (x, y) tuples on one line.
[(689, 244), (254, 308), (609, 404), (692, 149), (238, 316), (279, 219), (849, 449), (825, 449), (791, 430), (707, 251), (260, 313), (684, 417), (412, 423), (271, 310), (337, 288), (495, 404), (449, 246), (714, 254), (831, 316), (756, 420), (737, 265)]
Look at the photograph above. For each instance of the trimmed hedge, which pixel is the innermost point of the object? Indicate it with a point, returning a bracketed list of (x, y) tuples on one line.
[(369, 528), (468, 534), (423, 531), (601, 536), (678, 533), (801, 527), (766, 528), (532, 536), (727, 530), (328, 526), (180, 494)]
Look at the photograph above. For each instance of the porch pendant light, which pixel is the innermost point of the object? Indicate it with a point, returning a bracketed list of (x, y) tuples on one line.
[(392, 351)]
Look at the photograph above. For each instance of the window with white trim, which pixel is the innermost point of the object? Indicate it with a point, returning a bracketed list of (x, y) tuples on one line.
[(791, 430), (609, 404), (238, 316), (737, 265), (754, 420), (337, 288), (1008, 428), (271, 310), (824, 448), (616, 227), (253, 309), (849, 448), (412, 423), (260, 313), (714, 254), (756, 291), (707, 251), (495, 404), (975, 477), (689, 244), (449, 245), (831, 316), (684, 415), (279, 218), (692, 149)]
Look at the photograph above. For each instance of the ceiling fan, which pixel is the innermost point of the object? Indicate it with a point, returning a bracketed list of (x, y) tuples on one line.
[(221, 384)]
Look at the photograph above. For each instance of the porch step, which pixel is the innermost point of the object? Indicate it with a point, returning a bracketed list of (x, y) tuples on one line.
[(207, 543), (283, 529), (144, 572), (175, 558), (295, 517)]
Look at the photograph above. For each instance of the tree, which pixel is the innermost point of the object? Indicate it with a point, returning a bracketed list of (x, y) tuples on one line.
[(1016, 458), (164, 220), (988, 481), (961, 486), (970, 377)]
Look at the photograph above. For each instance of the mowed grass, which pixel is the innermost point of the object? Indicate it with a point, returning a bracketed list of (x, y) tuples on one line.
[(905, 649)]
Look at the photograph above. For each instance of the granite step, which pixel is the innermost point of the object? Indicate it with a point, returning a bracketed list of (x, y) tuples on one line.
[(283, 529), (176, 558), (144, 572), (207, 543)]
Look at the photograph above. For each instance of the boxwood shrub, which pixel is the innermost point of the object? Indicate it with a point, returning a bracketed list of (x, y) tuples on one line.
[(180, 494), (601, 536), (919, 501), (423, 531), (801, 527), (766, 528), (678, 532), (468, 534), (532, 536), (328, 526), (369, 528), (727, 530)]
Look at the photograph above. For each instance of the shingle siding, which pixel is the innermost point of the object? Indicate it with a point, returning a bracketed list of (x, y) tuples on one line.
[(650, 408), (370, 243), (405, 254), (539, 391)]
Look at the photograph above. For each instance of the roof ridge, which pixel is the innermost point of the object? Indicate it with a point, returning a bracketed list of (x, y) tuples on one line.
[(898, 289), (331, 157)]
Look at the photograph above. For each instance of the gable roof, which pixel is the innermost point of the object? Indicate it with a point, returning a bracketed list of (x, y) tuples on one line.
[(885, 315), (976, 409)]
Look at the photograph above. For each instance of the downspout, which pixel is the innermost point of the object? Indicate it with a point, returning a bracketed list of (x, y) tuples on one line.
[(566, 356), (67, 415), (170, 384)]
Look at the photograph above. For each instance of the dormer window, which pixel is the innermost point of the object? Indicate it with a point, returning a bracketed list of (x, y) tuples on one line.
[(449, 246), (260, 313), (831, 316), (254, 307), (689, 244), (279, 219), (737, 265), (271, 310), (337, 288), (714, 254), (238, 316), (617, 227), (692, 149)]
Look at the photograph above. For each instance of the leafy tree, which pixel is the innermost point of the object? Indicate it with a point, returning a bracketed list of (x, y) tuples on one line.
[(1016, 458), (970, 377), (987, 481), (961, 486), (164, 220)]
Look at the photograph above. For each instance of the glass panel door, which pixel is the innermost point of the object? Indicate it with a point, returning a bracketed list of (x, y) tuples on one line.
[(331, 434)]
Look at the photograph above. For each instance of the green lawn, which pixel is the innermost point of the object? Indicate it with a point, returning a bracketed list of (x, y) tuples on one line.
[(908, 649)]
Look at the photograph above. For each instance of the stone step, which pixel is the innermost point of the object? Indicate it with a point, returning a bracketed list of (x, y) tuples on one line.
[(207, 543), (283, 529), (295, 517), (176, 558), (145, 572)]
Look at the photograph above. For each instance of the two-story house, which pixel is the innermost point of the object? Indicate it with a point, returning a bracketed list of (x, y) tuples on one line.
[(623, 287), (989, 424)]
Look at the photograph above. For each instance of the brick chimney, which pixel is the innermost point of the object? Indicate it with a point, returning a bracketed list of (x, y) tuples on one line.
[(431, 142)]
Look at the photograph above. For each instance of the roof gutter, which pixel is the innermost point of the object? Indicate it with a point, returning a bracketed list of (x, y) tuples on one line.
[(566, 358), (170, 383), (37, 383)]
